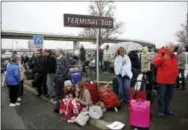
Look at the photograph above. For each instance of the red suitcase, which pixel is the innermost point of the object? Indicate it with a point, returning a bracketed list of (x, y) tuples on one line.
[(92, 87)]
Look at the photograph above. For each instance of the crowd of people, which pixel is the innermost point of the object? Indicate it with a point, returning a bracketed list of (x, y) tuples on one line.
[(51, 74)]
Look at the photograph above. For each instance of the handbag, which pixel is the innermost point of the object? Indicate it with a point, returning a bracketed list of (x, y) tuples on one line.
[(82, 118)]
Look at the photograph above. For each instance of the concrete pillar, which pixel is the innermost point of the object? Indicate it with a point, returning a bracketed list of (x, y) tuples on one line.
[(76, 45)]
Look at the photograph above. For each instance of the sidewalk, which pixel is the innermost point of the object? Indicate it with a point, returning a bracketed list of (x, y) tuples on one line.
[(179, 105)]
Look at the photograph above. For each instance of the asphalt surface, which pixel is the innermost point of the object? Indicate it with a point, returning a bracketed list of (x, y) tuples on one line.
[(33, 113)]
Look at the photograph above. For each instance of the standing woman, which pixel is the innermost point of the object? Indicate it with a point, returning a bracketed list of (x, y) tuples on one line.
[(122, 68), (13, 80), (20, 93)]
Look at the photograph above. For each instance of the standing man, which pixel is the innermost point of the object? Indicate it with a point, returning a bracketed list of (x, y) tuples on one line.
[(106, 59), (82, 56), (51, 68), (181, 65), (167, 73), (39, 70), (61, 75)]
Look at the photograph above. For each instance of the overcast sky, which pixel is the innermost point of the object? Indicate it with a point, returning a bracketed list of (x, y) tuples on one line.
[(151, 21)]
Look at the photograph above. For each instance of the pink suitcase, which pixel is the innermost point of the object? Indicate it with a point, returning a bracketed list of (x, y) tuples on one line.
[(140, 113)]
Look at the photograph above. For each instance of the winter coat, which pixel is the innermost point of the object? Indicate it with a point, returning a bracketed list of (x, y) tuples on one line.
[(181, 57), (12, 76), (135, 60), (82, 54), (145, 60), (122, 66), (40, 65), (51, 64), (167, 70), (86, 98), (62, 68)]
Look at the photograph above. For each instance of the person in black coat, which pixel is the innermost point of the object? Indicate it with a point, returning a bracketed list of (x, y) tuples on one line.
[(40, 71), (135, 62), (82, 56), (51, 69)]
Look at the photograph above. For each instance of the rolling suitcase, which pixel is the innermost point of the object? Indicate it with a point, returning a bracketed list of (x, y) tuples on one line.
[(115, 86), (92, 87), (140, 113)]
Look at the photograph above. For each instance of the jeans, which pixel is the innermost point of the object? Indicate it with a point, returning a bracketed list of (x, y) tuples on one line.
[(182, 78), (50, 81), (165, 94), (124, 88)]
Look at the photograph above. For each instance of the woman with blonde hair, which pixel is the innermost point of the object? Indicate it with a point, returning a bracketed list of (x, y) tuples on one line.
[(83, 95), (122, 68)]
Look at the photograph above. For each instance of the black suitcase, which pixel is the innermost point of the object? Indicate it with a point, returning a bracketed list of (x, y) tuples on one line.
[(115, 85)]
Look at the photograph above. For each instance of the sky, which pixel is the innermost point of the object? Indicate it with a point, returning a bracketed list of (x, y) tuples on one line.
[(155, 22)]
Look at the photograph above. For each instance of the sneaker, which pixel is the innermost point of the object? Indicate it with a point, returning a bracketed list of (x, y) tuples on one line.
[(19, 99), (12, 105), (17, 104), (170, 113)]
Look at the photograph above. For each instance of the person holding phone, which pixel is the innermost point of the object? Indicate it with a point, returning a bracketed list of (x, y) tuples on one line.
[(167, 73), (122, 68)]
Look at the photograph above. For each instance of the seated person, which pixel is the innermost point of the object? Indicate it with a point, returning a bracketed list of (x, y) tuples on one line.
[(83, 95), (69, 90)]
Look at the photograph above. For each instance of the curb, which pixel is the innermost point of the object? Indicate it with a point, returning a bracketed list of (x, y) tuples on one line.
[(100, 124)]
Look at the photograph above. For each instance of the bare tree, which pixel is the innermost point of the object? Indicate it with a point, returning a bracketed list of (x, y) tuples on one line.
[(103, 8), (183, 34)]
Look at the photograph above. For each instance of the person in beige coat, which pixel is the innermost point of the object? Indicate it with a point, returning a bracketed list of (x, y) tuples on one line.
[(20, 94), (181, 65), (83, 95), (145, 60)]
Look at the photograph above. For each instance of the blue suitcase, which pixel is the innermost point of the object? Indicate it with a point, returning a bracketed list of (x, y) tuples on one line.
[(76, 77)]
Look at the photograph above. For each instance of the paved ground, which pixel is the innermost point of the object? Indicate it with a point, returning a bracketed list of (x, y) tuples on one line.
[(33, 113), (179, 121)]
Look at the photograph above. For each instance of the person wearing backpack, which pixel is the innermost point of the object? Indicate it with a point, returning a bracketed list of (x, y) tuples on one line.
[(122, 67), (167, 73)]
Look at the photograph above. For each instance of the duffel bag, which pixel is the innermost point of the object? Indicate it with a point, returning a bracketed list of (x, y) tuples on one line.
[(76, 77), (109, 98)]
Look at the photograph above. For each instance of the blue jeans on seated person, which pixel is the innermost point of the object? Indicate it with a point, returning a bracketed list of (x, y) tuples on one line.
[(165, 94), (124, 88)]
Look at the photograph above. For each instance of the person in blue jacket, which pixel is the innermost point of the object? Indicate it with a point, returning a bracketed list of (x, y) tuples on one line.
[(13, 80)]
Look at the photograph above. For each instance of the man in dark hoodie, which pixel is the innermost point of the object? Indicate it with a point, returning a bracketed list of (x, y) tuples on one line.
[(40, 70), (82, 56), (135, 61), (51, 68), (181, 66)]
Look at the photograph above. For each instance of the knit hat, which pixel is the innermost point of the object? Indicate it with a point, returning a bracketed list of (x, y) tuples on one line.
[(67, 83)]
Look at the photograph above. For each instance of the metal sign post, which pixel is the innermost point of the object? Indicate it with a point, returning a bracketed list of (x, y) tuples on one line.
[(97, 43), (74, 20)]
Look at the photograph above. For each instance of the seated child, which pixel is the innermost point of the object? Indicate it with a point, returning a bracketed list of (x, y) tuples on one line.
[(69, 90)]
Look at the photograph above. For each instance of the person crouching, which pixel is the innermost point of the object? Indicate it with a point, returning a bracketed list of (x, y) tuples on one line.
[(13, 80)]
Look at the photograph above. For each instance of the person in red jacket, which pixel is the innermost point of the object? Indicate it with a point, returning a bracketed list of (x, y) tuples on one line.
[(167, 73)]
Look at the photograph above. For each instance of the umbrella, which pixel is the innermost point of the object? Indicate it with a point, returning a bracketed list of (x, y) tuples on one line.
[(128, 46)]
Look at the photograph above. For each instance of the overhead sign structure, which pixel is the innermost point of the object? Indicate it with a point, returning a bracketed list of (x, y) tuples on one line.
[(38, 41), (73, 20)]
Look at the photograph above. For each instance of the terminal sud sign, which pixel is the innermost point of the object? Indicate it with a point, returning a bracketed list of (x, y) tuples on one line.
[(73, 20)]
